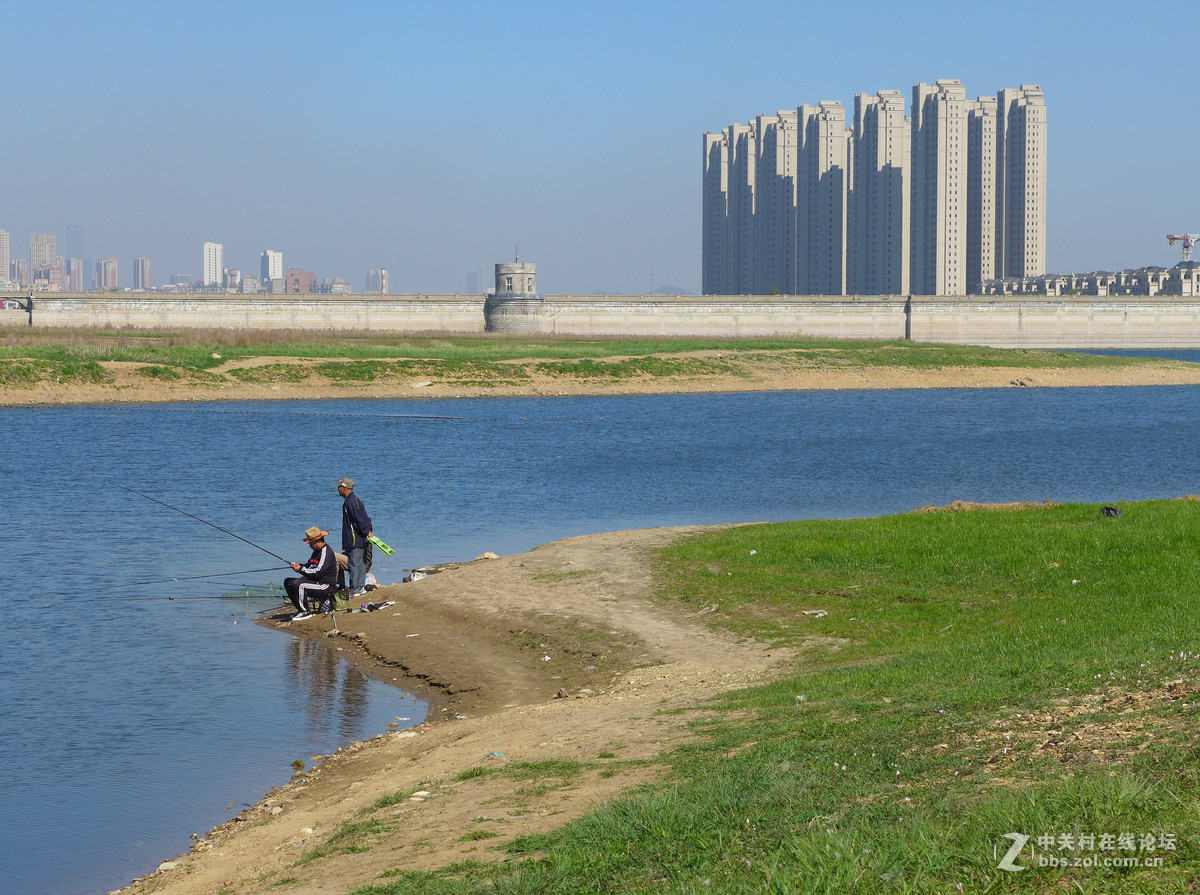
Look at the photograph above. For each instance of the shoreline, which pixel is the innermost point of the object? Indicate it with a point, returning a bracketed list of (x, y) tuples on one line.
[(127, 386), (557, 654)]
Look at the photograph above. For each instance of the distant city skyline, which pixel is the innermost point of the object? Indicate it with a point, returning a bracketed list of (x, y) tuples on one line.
[(46, 268), (581, 146)]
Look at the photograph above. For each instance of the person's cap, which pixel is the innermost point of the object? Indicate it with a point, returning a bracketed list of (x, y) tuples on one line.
[(312, 534), (346, 483)]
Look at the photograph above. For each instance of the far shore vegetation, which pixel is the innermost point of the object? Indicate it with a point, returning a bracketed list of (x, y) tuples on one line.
[(957, 677), (30, 356)]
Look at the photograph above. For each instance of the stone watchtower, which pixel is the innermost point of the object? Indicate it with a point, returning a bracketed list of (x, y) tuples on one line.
[(514, 307), (516, 278)]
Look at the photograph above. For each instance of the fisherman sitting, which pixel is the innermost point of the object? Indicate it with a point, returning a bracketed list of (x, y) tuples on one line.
[(320, 576)]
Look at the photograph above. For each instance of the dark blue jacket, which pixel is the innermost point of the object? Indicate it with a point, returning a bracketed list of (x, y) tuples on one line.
[(355, 523)]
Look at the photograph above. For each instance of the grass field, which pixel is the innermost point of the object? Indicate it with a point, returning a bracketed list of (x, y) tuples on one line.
[(29, 356), (959, 677)]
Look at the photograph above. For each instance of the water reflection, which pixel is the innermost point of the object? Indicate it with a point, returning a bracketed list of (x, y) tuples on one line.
[(332, 691)]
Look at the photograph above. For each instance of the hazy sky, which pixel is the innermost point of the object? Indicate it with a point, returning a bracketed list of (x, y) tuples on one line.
[(433, 138)]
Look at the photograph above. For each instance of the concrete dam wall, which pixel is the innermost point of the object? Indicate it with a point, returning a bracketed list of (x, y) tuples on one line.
[(1000, 321)]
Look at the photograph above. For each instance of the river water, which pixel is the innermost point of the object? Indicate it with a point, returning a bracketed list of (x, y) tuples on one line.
[(130, 721)]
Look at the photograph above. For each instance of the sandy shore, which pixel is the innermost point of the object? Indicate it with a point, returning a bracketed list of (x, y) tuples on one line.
[(553, 654), (127, 386)]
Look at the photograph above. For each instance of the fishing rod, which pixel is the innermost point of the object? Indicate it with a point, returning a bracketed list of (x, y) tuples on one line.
[(266, 597), (206, 522), (211, 575)]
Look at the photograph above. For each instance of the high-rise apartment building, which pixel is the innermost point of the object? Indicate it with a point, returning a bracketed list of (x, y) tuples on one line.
[(271, 266), (214, 263), (1021, 182), (821, 194), (5, 256), (879, 217), (939, 189), (981, 192), (743, 153), (41, 250), (18, 271), (934, 203), (106, 274), (141, 272), (775, 202), (715, 276), (75, 275)]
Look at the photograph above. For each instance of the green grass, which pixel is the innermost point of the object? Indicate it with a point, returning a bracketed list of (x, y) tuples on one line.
[(974, 674), (488, 359), (67, 370), (392, 799), (350, 838)]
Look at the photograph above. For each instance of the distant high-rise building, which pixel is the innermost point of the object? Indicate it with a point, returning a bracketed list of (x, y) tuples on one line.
[(5, 256), (1021, 181), (75, 275), (775, 172), (821, 195), (877, 241), (106, 274), (231, 279), (982, 205), (300, 281), (41, 250), (939, 189), (18, 271), (73, 244), (141, 272), (214, 262), (475, 282), (935, 203), (272, 266), (715, 276), (51, 277), (377, 281)]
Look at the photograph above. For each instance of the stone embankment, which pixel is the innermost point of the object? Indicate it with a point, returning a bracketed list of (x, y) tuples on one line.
[(998, 321)]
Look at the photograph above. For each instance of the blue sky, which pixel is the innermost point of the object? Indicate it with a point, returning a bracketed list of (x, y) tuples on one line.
[(433, 138)]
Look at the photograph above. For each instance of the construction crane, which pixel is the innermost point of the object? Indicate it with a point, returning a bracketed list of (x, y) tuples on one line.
[(1189, 240)]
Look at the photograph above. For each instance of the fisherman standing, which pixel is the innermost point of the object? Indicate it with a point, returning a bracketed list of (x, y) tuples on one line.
[(356, 528), (320, 576)]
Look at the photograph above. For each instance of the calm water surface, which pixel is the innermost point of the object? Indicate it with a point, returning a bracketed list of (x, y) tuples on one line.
[(130, 721)]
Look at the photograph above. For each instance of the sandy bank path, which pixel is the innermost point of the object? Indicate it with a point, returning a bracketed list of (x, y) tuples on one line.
[(498, 642)]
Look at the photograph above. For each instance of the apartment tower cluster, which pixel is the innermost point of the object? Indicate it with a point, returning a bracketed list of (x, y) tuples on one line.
[(933, 203)]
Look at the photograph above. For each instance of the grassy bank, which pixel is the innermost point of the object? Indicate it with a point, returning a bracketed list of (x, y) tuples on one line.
[(31, 356), (962, 676)]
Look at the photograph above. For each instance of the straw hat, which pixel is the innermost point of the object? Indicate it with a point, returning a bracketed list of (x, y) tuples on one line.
[(313, 534)]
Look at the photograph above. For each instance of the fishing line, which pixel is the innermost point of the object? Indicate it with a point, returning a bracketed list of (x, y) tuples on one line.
[(206, 522), (210, 575)]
